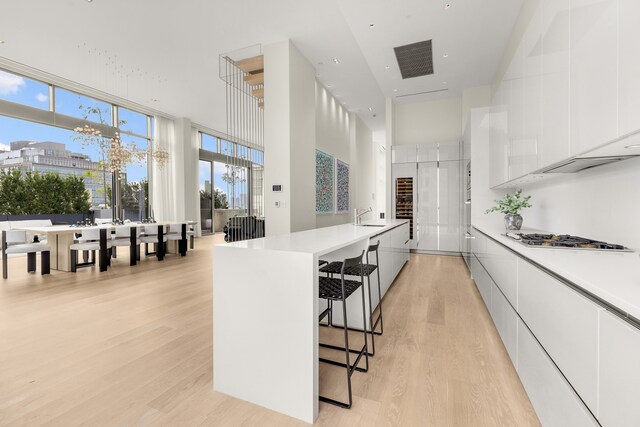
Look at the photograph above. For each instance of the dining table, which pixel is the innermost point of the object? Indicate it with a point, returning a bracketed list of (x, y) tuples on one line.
[(61, 237)]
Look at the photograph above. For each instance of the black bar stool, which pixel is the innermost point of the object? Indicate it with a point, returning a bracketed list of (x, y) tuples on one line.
[(367, 269), (339, 290)]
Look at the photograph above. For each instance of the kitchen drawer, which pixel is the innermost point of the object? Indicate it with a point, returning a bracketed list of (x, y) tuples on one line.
[(483, 281), (556, 404), (478, 244), (619, 372), (565, 323), (506, 321), (502, 266)]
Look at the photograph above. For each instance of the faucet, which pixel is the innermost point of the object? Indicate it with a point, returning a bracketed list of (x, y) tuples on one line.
[(358, 215)]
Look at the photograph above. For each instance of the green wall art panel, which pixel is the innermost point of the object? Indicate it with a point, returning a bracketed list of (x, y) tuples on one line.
[(342, 187), (324, 182)]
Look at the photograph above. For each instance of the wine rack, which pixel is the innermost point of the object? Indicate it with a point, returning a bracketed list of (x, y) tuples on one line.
[(404, 201)]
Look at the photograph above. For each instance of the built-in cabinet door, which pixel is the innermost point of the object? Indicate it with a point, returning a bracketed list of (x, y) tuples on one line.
[(516, 115), (594, 73), (629, 66), (565, 323), (449, 199), (428, 206), (498, 136), (619, 372), (556, 63), (506, 321), (482, 280), (532, 94), (403, 154), (554, 400), (502, 266)]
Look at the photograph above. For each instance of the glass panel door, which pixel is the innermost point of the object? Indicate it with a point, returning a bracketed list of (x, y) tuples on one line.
[(206, 197), (231, 193)]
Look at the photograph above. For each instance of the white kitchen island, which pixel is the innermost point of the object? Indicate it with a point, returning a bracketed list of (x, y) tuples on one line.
[(266, 307)]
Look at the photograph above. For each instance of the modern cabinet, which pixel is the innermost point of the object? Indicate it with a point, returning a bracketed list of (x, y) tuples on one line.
[(573, 84), (437, 196), (565, 323), (628, 66), (551, 396), (594, 73), (619, 372), (403, 154), (502, 266), (556, 68), (506, 321)]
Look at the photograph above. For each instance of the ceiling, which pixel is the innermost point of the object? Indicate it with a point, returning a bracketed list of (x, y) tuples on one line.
[(164, 54)]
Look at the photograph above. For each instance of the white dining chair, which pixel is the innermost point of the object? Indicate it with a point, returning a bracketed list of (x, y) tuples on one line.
[(16, 242), (122, 237), (175, 235), (150, 235), (90, 241)]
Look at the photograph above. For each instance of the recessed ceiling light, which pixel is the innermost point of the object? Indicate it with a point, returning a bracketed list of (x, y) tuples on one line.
[(387, 67), (1, 41), (447, 6), (446, 55), (633, 146), (152, 99), (370, 108), (371, 26), (444, 83), (336, 60), (328, 85), (395, 90), (89, 1)]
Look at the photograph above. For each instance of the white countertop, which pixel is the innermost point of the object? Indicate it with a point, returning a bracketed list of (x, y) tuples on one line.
[(319, 241), (611, 276)]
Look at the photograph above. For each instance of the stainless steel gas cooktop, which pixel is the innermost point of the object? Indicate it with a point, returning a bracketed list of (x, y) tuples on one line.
[(565, 241)]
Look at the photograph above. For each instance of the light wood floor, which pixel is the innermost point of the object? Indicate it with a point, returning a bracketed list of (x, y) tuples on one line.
[(133, 346)]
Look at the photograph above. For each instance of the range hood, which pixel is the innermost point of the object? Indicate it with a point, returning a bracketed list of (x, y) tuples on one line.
[(623, 148), (577, 164)]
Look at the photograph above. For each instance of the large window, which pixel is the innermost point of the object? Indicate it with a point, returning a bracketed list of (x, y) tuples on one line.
[(32, 147), (25, 91)]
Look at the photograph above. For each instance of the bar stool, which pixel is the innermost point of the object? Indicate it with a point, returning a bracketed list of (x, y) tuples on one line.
[(339, 290), (367, 269)]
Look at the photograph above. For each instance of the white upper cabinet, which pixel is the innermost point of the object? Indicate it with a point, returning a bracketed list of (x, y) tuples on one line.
[(498, 136), (532, 94), (428, 152), (556, 60), (594, 73), (515, 111), (403, 154), (629, 66)]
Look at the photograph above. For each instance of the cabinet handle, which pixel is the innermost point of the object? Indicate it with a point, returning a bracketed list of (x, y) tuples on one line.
[(467, 235)]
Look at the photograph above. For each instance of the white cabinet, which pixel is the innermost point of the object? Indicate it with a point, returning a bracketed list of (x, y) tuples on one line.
[(515, 111), (619, 373), (428, 152), (556, 60), (565, 323), (506, 321), (499, 135), (629, 66), (551, 396), (502, 266), (482, 280), (428, 206), (403, 154), (449, 151), (532, 95), (594, 73)]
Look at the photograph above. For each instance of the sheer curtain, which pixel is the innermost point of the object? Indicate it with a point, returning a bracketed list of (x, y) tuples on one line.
[(175, 191), (163, 184)]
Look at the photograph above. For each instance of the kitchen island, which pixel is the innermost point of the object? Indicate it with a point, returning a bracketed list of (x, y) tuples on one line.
[(266, 307)]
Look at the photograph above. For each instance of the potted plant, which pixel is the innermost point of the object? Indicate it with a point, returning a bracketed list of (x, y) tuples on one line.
[(511, 206)]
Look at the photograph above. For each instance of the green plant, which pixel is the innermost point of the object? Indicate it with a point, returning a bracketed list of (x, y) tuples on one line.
[(511, 204)]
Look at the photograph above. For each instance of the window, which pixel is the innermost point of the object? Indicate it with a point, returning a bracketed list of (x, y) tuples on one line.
[(33, 147), (130, 121), (209, 143), (69, 103), (22, 90), (227, 148), (134, 183), (242, 152), (257, 157)]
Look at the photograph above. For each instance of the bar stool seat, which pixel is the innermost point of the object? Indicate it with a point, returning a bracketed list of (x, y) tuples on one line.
[(336, 266), (331, 288)]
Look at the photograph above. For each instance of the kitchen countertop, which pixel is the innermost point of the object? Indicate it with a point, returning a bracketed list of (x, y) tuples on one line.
[(319, 241), (613, 277)]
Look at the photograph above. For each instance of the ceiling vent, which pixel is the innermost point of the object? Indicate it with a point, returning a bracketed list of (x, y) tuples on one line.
[(415, 59)]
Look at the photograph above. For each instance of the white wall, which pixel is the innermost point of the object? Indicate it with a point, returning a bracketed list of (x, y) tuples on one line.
[(365, 173), (334, 137), (428, 122)]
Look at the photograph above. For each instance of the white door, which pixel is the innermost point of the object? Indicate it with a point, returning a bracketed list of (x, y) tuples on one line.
[(428, 206)]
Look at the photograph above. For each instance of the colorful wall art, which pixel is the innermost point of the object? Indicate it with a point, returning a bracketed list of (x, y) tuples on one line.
[(324, 182), (342, 187)]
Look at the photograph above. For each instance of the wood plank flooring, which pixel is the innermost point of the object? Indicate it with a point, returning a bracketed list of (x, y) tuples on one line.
[(133, 347)]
